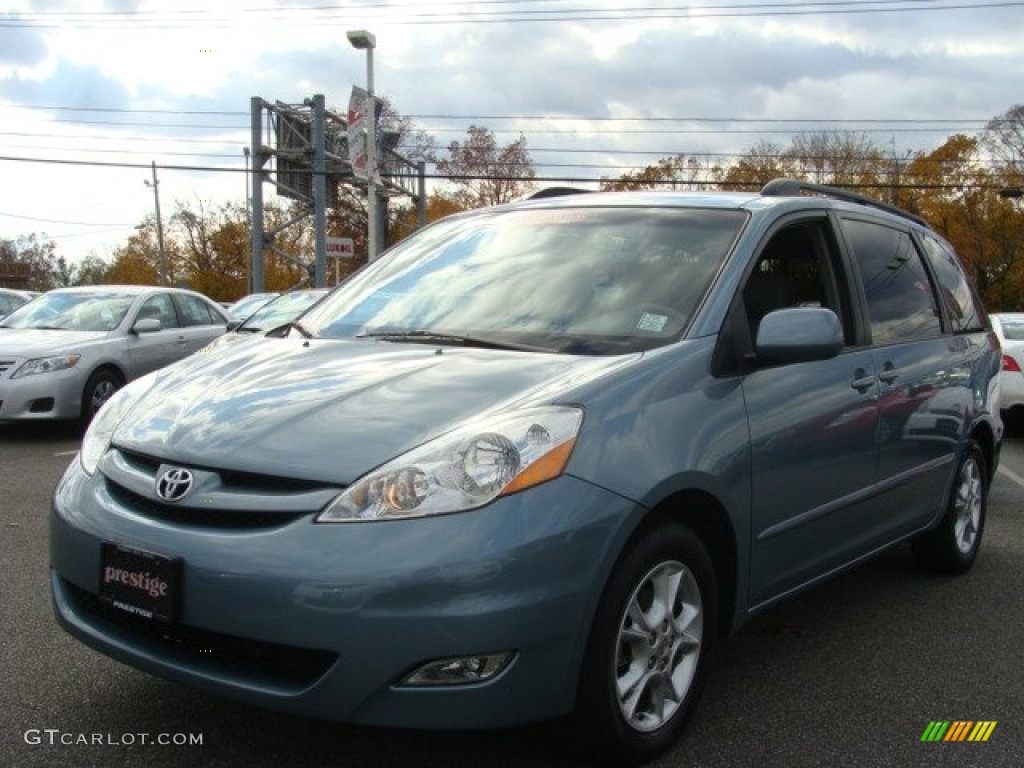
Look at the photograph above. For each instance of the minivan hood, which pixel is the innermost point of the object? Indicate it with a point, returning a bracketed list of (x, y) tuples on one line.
[(32, 342), (332, 410)]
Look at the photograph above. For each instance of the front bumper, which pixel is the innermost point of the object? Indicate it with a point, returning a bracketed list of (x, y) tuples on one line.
[(324, 620), (45, 396)]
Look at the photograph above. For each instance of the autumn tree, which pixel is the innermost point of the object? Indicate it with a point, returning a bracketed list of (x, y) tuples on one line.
[(956, 192), (484, 173), (214, 248), (757, 166), (404, 220), (27, 262), (92, 270), (137, 262)]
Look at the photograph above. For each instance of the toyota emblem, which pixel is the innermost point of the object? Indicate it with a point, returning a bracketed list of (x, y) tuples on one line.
[(173, 484)]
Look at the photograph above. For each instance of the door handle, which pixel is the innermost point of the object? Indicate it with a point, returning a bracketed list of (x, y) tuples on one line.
[(862, 380), (889, 374)]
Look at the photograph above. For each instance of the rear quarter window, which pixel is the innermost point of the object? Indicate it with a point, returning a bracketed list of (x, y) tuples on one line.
[(961, 303)]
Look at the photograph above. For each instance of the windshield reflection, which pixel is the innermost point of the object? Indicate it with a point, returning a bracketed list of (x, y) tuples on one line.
[(94, 311), (589, 280)]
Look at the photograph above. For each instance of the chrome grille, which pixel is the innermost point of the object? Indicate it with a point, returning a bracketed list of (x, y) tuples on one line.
[(225, 499)]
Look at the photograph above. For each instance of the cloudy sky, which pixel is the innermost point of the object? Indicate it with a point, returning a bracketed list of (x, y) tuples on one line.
[(92, 92)]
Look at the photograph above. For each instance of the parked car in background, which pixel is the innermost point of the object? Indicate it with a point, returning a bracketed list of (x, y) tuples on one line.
[(65, 353), (537, 459), (1009, 326), (246, 305), (11, 299), (272, 318)]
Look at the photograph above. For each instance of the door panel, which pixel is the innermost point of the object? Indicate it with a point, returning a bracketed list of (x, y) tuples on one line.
[(813, 451)]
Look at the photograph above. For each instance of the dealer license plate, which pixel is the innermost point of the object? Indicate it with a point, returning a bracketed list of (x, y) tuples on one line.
[(140, 583)]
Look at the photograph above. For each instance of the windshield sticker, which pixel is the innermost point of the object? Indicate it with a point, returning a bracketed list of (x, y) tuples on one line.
[(652, 322)]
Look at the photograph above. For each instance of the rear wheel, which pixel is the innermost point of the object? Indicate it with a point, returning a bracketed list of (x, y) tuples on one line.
[(649, 648), (952, 546), (102, 384)]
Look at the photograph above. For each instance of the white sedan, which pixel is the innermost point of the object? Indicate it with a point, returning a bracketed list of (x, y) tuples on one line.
[(1009, 327), (65, 353)]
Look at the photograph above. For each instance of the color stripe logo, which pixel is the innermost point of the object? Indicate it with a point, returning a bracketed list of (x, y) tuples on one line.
[(958, 730)]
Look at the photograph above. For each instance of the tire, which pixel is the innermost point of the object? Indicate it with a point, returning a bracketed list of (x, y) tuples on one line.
[(649, 649), (953, 545), (98, 389)]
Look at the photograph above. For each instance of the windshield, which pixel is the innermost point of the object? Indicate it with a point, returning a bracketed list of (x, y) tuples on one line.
[(74, 311), (577, 280), (282, 310), (246, 305)]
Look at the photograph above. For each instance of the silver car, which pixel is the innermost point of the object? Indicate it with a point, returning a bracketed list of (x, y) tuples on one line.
[(11, 299), (65, 353)]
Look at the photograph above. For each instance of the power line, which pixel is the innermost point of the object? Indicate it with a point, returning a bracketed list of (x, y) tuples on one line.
[(61, 221), (474, 177), (528, 117), (412, 14)]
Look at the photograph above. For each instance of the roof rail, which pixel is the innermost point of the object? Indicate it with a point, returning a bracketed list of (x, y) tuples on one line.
[(555, 192), (792, 187)]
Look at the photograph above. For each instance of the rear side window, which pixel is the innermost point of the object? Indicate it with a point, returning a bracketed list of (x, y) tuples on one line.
[(194, 311), (961, 304), (901, 302)]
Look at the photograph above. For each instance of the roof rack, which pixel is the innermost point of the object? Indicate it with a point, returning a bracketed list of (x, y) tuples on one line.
[(793, 187), (555, 192)]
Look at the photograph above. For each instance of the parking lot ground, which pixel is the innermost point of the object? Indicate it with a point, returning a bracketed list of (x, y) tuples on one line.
[(850, 673)]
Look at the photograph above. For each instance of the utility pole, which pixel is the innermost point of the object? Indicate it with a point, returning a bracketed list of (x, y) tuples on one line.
[(159, 226), (366, 41), (248, 223)]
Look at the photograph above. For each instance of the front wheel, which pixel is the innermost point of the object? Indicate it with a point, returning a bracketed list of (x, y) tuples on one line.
[(952, 546), (649, 648), (98, 389)]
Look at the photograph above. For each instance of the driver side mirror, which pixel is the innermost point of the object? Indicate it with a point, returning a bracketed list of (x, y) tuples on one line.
[(146, 325), (798, 335)]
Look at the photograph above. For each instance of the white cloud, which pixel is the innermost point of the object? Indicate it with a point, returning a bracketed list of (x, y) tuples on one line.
[(952, 65)]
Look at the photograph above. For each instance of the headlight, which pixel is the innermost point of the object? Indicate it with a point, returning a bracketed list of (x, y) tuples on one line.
[(464, 469), (101, 430), (46, 365)]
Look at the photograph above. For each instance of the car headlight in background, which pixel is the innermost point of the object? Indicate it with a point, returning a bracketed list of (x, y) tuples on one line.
[(46, 365), (101, 429), (464, 469)]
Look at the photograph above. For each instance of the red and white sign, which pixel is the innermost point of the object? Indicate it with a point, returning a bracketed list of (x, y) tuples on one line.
[(340, 248)]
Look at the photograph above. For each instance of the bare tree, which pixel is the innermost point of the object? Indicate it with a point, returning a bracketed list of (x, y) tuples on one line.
[(676, 172), (486, 174), (838, 157), (1004, 141)]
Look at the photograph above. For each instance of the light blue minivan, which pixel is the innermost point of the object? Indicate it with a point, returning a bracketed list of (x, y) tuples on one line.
[(537, 460)]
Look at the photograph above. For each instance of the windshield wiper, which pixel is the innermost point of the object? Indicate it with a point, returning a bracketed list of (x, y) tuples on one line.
[(293, 324), (436, 337)]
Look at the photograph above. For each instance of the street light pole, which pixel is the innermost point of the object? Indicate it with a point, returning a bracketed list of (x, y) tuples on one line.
[(248, 224), (159, 226), (364, 40)]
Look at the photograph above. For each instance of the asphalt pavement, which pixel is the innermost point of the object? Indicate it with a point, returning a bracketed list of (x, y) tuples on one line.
[(851, 673)]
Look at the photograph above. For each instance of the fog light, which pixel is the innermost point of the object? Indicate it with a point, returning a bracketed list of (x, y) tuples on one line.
[(460, 671)]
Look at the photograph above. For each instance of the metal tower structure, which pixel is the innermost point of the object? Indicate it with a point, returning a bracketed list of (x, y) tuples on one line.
[(302, 151)]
